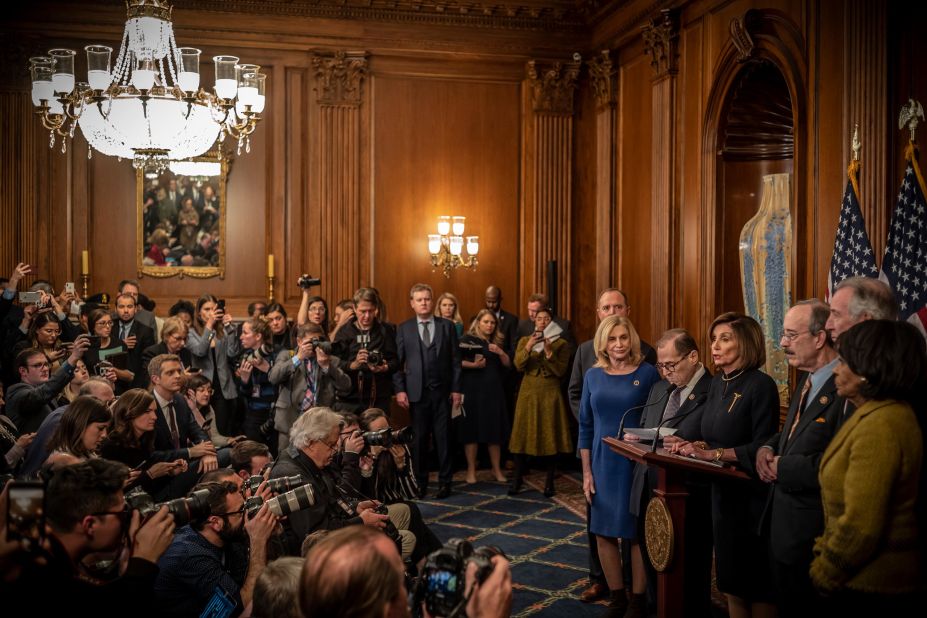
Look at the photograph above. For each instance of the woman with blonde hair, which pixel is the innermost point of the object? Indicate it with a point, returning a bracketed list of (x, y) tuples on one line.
[(619, 381), (448, 308)]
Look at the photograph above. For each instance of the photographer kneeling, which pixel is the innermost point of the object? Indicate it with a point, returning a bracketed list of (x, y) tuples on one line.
[(215, 560), (314, 440), (86, 514)]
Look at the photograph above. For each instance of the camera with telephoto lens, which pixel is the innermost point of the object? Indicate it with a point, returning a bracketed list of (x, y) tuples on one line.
[(321, 344), (278, 485), (442, 584), (294, 500), (307, 281), (388, 437), (193, 508)]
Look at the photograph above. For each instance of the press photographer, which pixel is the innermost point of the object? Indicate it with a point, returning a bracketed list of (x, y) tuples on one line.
[(357, 572), (368, 354), (308, 377), (216, 559), (314, 441), (85, 514)]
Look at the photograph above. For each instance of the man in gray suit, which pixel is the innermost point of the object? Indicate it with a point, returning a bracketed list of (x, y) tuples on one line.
[(309, 377), (612, 301), (678, 401)]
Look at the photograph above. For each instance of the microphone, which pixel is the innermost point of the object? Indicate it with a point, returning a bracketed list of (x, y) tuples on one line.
[(701, 399), (624, 416)]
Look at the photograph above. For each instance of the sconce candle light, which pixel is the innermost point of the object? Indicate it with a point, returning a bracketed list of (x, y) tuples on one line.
[(448, 245)]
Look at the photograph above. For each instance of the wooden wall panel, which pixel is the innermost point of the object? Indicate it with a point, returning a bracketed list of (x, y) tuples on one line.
[(635, 250), (444, 147)]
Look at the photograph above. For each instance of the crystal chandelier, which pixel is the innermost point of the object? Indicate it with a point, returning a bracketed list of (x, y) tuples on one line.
[(149, 107), (446, 247)]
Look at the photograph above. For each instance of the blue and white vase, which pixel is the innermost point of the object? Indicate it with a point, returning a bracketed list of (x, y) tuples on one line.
[(766, 271)]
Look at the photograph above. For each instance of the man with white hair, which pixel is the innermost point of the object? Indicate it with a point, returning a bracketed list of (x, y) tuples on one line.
[(314, 439), (857, 299)]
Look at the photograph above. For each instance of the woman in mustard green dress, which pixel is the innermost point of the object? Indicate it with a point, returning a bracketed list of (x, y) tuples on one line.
[(541, 427)]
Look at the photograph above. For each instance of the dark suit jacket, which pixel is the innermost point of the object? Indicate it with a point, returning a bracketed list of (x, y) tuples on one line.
[(190, 432), (410, 378), (793, 511), (652, 415), (161, 348), (144, 339), (27, 405)]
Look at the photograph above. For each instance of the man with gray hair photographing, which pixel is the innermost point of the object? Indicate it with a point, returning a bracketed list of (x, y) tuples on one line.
[(314, 440)]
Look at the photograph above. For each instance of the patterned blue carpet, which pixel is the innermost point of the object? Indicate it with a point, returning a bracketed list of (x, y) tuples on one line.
[(545, 538)]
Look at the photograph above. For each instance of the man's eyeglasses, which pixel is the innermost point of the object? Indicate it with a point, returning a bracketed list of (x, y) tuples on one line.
[(332, 447), (791, 335), (124, 514), (44, 365), (670, 366)]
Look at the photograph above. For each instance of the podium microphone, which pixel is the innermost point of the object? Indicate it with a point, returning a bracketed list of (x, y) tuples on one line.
[(624, 416), (656, 437)]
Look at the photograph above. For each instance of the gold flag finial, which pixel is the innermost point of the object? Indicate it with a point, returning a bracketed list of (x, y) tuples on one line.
[(909, 116), (857, 145)]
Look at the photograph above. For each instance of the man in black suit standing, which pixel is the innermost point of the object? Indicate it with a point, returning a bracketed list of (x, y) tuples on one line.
[(136, 336), (177, 436), (678, 401), (428, 383), (508, 322), (789, 461)]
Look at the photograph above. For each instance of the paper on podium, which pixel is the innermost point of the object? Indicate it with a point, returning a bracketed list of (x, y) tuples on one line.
[(648, 433)]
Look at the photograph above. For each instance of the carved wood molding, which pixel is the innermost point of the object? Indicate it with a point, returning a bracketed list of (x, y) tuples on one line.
[(545, 15), (552, 87), (339, 77), (740, 36), (603, 76), (661, 42)]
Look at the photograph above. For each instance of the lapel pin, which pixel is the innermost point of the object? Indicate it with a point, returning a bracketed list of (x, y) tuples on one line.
[(820, 419), (637, 382), (823, 400), (691, 396)]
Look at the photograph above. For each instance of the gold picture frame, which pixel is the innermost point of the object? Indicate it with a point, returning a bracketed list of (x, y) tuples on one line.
[(190, 238)]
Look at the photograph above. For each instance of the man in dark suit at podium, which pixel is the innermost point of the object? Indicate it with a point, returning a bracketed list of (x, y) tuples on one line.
[(428, 383), (678, 401), (789, 461)]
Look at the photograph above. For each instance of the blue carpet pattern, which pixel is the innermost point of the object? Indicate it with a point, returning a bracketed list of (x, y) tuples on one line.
[(545, 540)]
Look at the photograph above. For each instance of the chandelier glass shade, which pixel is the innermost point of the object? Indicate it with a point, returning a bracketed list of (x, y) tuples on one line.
[(148, 106), (446, 248)]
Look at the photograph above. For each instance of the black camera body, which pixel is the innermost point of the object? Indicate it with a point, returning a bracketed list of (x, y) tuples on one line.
[(307, 281), (193, 508), (322, 344), (388, 437), (442, 585), (374, 356)]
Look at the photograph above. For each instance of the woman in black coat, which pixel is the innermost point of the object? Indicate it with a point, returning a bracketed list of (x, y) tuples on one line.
[(741, 413)]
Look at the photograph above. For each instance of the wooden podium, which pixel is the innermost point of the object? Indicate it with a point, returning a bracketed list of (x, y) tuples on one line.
[(672, 472)]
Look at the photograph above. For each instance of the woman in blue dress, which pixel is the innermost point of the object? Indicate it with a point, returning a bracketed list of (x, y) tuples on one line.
[(618, 381)]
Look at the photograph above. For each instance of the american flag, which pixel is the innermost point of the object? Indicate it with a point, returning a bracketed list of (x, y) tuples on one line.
[(904, 266), (853, 255)]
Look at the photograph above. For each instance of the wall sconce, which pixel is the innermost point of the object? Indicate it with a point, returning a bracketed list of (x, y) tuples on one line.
[(447, 246)]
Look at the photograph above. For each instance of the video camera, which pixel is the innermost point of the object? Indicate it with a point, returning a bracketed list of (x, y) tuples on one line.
[(442, 584)]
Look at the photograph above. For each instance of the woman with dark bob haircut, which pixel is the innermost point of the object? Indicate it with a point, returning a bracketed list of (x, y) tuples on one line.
[(867, 560), (741, 413)]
